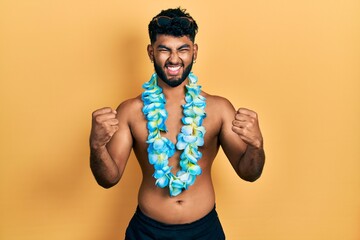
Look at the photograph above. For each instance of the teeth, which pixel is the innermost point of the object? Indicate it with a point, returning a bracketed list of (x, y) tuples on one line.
[(174, 68)]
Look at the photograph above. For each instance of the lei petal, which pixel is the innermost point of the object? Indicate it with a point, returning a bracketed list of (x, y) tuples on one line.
[(162, 181), (188, 120), (199, 141), (158, 144), (194, 169), (160, 149), (175, 186), (189, 138), (187, 129), (181, 144)]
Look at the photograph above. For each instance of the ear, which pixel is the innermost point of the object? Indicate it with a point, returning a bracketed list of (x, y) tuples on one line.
[(150, 51), (196, 48)]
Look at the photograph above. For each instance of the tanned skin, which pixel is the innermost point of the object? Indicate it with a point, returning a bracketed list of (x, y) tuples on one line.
[(115, 133)]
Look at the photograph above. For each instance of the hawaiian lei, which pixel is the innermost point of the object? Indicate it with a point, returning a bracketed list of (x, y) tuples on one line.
[(192, 133)]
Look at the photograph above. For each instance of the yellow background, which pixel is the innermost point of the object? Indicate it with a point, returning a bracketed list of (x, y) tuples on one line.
[(297, 63)]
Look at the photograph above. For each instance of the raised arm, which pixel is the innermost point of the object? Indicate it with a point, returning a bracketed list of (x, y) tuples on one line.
[(110, 145), (242, 141)]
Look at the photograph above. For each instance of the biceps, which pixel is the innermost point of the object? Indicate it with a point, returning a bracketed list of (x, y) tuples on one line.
[(120, 146), (230, 142)]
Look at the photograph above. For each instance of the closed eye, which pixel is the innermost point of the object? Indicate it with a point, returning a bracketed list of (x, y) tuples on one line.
[(184, 49), (163, 48)]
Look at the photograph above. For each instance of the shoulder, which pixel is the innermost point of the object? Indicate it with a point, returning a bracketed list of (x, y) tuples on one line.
[(130, 104), (219, 110), (215, 102), (129, 108)]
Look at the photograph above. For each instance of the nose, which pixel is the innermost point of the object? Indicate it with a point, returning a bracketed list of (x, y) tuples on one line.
[(174, 58)]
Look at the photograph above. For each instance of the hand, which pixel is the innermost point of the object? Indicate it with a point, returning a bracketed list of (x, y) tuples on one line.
[(246, 125), (104, 125)]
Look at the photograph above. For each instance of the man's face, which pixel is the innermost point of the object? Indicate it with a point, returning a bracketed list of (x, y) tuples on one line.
[(173, 58)]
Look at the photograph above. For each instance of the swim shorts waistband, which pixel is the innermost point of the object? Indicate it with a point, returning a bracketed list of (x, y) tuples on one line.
[(206, 220)]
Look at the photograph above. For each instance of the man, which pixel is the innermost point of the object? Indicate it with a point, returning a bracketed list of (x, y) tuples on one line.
[(175, 130)]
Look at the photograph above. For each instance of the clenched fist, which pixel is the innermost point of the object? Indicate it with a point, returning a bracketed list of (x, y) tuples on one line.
[(246, 125), (104, 125)]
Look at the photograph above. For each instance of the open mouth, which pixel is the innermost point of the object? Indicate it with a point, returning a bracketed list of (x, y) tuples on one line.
[(173, 70)]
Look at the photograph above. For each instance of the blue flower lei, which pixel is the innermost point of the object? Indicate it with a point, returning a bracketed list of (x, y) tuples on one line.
[(191, 137)]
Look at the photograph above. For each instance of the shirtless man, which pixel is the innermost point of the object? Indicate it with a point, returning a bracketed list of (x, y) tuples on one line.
[(172, 206)]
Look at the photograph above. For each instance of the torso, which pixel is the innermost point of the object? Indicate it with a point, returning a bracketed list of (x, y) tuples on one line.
[(199, 199)]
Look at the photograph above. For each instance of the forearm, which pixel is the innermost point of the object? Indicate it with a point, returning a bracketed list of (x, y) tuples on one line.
[(251, 163), (103, 167)]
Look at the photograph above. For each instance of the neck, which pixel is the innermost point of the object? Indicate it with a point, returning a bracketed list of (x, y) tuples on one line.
[(173, 93)]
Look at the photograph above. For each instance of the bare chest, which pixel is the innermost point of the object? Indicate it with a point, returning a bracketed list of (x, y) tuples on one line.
[(174, 124)]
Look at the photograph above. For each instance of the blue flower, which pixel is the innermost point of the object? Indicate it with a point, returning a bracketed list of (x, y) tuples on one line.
[(191, 154), (161, 176), (175, 186), (194, 169), (188, 120), (158, 144), (184, 140), (162, 181), (158, 160), (187, 129), (187, 178)]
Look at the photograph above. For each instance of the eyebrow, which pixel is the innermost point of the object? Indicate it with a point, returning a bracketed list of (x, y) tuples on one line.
[(163, 46), (167, 48), (184, 46)]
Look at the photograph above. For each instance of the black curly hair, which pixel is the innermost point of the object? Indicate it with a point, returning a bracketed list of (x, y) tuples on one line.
[(174, 28)]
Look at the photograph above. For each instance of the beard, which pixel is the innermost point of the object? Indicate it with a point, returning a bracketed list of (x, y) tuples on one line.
[(176, 82)]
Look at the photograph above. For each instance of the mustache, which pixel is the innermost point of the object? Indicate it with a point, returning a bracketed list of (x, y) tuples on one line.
[(173, 65)]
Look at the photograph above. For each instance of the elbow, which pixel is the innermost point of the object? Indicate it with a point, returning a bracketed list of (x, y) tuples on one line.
[(251, 178), (106, 186), (106, 183), (106, 179), (251, 175), (252, 172)]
